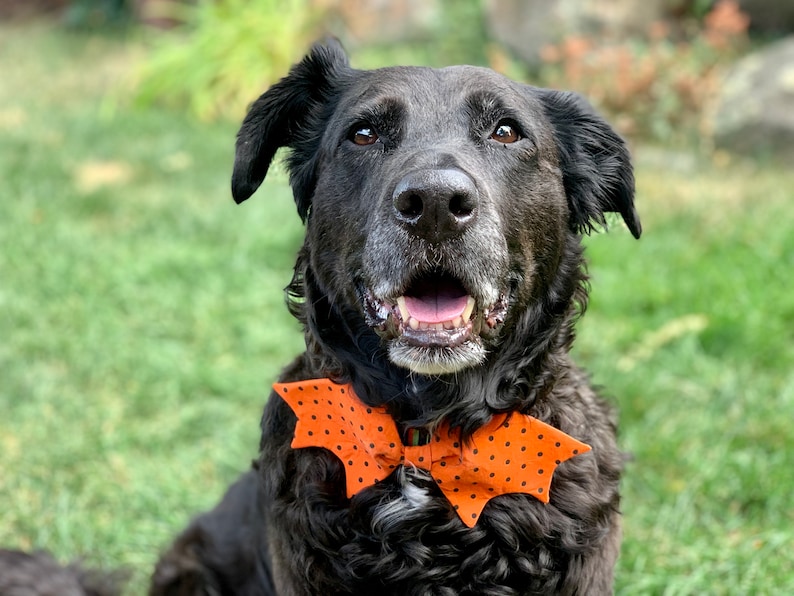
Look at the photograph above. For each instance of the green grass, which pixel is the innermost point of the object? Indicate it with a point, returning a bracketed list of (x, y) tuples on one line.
[(692, 330), (142, 321)]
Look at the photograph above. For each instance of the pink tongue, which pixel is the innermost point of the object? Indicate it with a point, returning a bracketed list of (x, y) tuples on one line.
[(435, 308)]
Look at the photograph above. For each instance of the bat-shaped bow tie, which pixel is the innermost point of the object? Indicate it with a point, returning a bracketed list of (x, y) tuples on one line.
[(511, 454)]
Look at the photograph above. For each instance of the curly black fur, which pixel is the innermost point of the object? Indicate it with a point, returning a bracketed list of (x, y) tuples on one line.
[(287, 527)]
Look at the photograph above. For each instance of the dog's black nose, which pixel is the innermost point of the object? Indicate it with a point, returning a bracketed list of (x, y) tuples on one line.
[(435, 204)]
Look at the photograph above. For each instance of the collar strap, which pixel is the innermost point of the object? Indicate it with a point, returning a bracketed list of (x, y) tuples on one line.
[(414, 437)]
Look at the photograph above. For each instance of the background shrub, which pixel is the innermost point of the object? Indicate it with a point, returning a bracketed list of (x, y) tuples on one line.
[(225, 54), (656, 87)]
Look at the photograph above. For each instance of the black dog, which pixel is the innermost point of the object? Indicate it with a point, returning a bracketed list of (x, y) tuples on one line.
[(438, 285)]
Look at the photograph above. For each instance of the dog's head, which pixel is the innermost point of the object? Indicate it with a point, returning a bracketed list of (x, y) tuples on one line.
[(441, 205)]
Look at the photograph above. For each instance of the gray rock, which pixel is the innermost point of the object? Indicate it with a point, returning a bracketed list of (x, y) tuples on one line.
[(526, 26), (754, 111)]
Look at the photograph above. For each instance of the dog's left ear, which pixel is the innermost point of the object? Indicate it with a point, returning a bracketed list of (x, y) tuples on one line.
[(596, 166)]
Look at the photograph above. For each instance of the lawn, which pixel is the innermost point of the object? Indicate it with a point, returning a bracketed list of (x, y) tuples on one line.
[(142, 321)]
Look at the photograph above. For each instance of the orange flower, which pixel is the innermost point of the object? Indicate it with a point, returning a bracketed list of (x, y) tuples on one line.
[(724, 23)]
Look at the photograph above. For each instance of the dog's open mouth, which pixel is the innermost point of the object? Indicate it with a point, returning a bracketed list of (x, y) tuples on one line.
[(435, 311), (435, 326)]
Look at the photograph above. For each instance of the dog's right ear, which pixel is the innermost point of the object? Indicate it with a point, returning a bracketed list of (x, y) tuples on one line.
[(282, 112)]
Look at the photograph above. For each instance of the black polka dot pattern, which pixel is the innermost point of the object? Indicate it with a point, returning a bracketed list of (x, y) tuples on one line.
[(360, 436), (504, 457), (510, 454)]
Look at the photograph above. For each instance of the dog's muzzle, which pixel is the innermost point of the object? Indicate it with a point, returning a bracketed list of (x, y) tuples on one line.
[(437, 310), (435, 327)]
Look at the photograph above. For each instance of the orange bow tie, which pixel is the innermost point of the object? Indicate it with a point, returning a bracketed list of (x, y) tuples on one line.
[(510, 454)]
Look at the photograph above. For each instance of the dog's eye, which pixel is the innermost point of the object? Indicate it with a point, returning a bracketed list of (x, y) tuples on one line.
[(505, 133), (363, 135)]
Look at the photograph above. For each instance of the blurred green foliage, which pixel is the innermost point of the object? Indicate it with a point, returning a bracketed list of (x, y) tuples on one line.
[(224, 54), (227, 52)]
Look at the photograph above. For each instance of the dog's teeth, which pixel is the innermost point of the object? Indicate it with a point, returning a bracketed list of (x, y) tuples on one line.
[(403, 309), (416, 324), (468, 310)]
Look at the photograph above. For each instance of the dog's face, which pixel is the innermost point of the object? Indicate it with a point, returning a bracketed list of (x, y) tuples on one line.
[(438, 202)]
